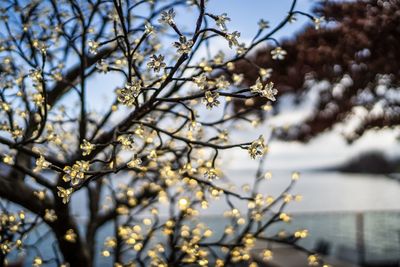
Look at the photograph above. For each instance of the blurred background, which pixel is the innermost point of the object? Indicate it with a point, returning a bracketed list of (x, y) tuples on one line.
[(336, 122)]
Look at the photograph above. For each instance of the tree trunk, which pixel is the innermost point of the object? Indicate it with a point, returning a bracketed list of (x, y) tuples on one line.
[(74, 253), (77, 253)]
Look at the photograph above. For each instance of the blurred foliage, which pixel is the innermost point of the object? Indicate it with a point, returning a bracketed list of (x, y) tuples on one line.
[(357, 52)]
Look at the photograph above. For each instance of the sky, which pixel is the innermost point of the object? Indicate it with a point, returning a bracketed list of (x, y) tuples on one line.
[(246, 13)]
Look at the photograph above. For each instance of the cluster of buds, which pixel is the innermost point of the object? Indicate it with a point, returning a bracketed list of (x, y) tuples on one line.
[(76, 172)]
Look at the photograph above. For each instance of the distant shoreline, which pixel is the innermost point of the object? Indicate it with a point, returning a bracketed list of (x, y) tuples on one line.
[(372, 162)]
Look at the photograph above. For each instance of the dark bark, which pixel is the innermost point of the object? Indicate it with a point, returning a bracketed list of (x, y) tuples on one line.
[(75, 253)]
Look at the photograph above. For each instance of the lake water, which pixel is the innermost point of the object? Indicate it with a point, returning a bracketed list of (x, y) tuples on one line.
[(352, 212), (322, 191), (333, 191)]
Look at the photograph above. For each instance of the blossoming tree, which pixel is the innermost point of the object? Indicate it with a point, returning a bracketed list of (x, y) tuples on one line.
[(151, 145)]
